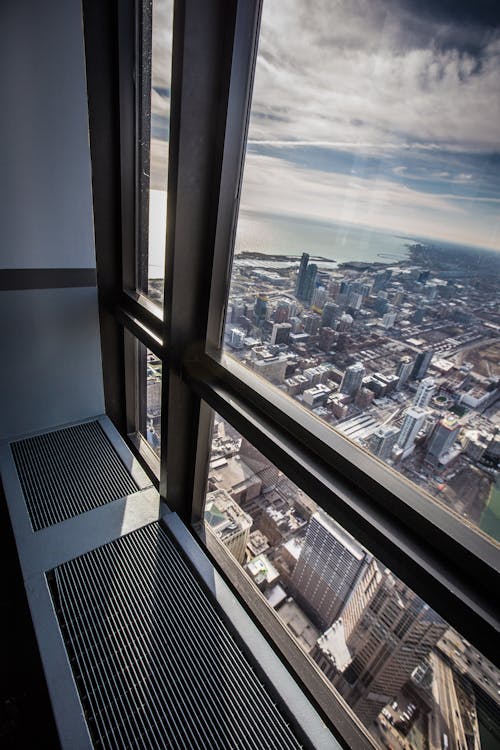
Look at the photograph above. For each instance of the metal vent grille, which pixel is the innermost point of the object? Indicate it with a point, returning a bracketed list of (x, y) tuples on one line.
[(155, 665), (68, 472)]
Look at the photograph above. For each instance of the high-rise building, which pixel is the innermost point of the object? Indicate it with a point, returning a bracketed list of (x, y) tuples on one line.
[(331, 313), (382, 441), (327, 570), (311, 323), (319, 297), (260, 309), (424, 393), (237, 338), (404, 371), (389, 319), (421, 365), (309, 283), (413, 422), (353, 377), (388, 631), (355, 300), (228, 522), (281, 333), (282, 312), (301, 275), (443, 436)]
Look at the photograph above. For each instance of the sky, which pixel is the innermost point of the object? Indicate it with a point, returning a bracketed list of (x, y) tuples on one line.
[(379, 113)]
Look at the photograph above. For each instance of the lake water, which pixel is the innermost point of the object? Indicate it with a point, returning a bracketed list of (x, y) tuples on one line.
[(275, 235), (339, 242)]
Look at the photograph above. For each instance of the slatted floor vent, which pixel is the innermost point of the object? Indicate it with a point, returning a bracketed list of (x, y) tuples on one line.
[(68, 472), (155, 665)]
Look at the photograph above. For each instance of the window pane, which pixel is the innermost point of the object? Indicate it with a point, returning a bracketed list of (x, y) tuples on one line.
[(151, 399), (153, 149), (411, 679), (365, 282)]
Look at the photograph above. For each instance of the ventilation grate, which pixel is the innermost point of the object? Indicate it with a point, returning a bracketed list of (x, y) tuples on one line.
[(155, 665), (68, 472)]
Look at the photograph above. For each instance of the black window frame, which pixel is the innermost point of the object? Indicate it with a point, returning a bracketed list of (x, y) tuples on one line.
[(452, 567)]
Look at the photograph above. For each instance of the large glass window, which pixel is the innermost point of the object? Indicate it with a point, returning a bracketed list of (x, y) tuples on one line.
[(154, 109), (363, 296), (409, 677), (365, 282)]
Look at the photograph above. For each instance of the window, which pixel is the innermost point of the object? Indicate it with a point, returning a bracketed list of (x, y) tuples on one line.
[(430, 548), (387, 655), (337, 298)]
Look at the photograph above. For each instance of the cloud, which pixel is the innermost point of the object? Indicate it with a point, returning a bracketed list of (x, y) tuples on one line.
[(384, 113), (358, 72)]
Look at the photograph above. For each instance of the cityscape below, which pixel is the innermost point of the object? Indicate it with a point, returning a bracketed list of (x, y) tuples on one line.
[(412, 680), (402, 358)]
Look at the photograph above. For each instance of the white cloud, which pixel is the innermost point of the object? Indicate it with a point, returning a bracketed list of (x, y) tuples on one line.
[(340, 72)]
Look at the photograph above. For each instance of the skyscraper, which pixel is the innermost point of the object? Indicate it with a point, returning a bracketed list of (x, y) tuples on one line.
[(382, 441), (353, 377), (413, 422), (424, 392), (327, 570), (422, 362), (280, 333), (443, 436), (404, 371), (260, 308), (388, 631), (331, 313), (309, 283), (301, 275)]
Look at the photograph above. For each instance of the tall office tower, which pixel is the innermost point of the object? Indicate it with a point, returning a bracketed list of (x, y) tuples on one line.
[(331, 313), (309, 284), (355, 300), (327, 570), (443, 436), (382, 441), (301, 275), (424, 393), (319, 297), (389, 319), (281, 333), (311, 323), (236, 310), (422, 362), (228, 522), (282, 312), (404, 370), (388, 631), (260, 308), (353, 377), (413, 422)]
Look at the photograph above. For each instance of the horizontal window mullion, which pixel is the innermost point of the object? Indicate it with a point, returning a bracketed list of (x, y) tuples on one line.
[(407, 502), (453, 580), (145, 311), (139, 329)]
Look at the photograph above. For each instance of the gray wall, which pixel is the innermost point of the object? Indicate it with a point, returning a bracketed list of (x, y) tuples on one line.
[(50, 366)]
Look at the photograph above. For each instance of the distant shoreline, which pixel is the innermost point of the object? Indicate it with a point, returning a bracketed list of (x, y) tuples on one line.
[(252, 254)]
